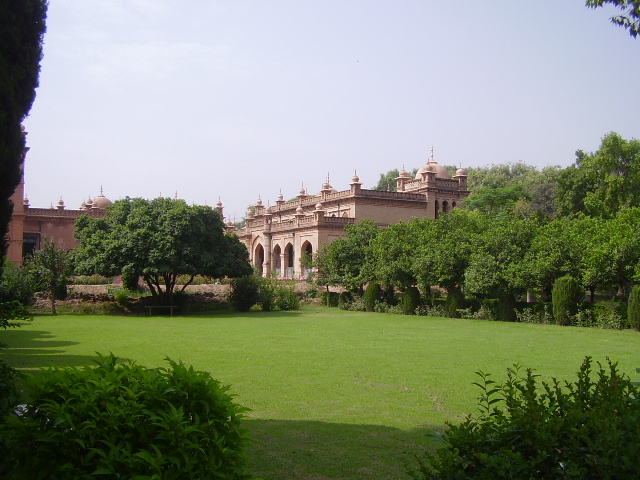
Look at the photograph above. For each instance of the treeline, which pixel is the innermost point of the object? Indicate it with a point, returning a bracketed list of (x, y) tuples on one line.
[(520, 231)]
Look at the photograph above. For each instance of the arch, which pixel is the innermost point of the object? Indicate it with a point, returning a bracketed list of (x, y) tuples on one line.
[(277, 260), (258, 256), (345, 215), (453, 205), (445, 207), (437, 208), (306, 251), (288, 260)]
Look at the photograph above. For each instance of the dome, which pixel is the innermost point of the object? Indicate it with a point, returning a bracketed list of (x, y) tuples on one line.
[(219, 204), (249, 213), (101, 202), (318, 206), (432, 166), (267, 211), (280, 197), (403, 173), (25, 202), (303, 192), (460, 172), (299, 210), (259, 202), (355, 179)]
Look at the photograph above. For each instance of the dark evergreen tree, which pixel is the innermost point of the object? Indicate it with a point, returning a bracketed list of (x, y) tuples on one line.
[(22, 27)]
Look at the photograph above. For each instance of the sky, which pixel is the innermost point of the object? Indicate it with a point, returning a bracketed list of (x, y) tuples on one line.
[(235, 100)]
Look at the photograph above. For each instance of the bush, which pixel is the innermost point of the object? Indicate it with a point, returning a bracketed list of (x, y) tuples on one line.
[(410, 300), (344, 299), (267, 291), (130, 278), (245, 292), (588, 430), (121, 297), (286, 298), (455, 301), (125, 421), (330, 299), (372, 295), (565, 296), (16, 284), (633, 308)]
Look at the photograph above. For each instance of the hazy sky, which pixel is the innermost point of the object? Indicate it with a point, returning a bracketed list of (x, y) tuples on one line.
[(235, 99)]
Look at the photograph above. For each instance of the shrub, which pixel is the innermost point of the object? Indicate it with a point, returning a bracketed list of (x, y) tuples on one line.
[(125, 421), (565, 296), (330, 299), (588, 430), (16, 284), (121, 297), (633, 309), (455, 301), (130, 278), (267, 290), (410, 300), (372, 295), (286, 298), (244, 293), (344, 299)]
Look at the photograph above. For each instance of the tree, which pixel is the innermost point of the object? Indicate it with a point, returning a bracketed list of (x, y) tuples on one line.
[(348, 261), (159, 239), (50, 269), (602, 183), (22, 28), (630, 20), (393, 253)]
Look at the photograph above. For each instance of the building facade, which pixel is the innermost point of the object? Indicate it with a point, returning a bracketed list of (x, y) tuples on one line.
[(279, 236)]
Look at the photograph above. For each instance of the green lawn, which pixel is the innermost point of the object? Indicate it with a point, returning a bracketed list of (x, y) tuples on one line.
[(333, 394)]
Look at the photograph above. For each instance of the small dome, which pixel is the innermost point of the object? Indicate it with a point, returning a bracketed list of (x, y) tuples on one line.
[(249, 213), (460, 172), (326, 186), (89, 202), (280, 197), (318, 206), (259, 202), (302, 192), (299, 210), (60, 203), (25, 202), (219, 204), (355, 179), (267, 211), (403, 173)]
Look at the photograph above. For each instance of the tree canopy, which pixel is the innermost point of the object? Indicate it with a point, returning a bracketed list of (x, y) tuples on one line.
[(22, 28), (630, 20), (159, 239)]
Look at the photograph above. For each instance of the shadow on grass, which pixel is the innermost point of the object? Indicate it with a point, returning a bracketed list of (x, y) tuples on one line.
[(31, 350), (311, 450)]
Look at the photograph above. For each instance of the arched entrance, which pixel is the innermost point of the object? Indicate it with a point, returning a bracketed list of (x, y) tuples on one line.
[(258, 256), (277, 260), (288, 261), (306, 256)]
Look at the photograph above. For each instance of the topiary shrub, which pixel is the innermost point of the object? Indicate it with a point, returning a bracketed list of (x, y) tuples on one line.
[(587, 429), (455, 302), (130, 278), (565, 296), (410, 300), (371, 296), (122, 420), (245, 293), (633, 308)]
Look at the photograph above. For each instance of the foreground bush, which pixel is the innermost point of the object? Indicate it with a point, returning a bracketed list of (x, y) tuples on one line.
[(587, 429), (124, 421)]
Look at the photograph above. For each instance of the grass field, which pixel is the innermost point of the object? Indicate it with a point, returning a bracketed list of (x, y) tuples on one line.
[(333, 394)]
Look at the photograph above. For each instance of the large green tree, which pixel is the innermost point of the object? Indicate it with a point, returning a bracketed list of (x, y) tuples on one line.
[(22, 27), (159, 240), (602, 183), (630, 20)]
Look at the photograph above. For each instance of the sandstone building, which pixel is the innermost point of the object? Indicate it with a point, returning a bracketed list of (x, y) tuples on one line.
[(278, 236)]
